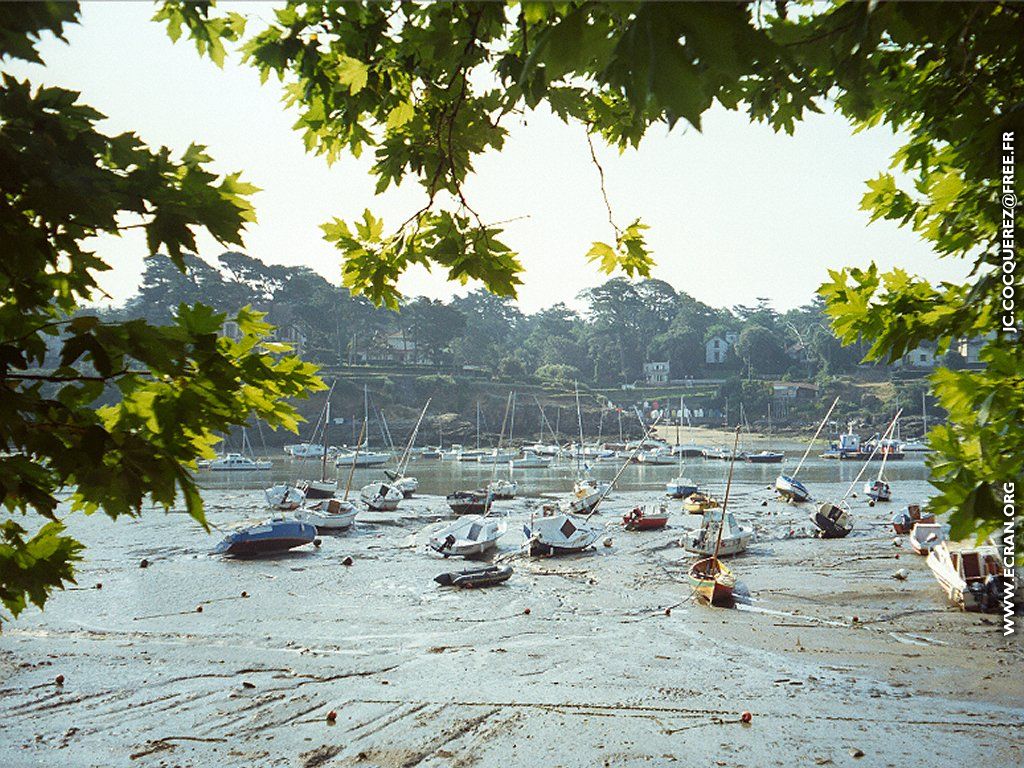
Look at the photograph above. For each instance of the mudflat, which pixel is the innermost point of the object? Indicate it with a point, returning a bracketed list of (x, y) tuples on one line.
[(603, 658)]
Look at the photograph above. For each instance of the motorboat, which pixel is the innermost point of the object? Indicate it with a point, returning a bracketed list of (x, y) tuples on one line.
[(914, 446), (502, 490), (496, 457), (361, 458), (236, 462), (833, 521), (284, 498), (656, 457), (469, 502), (680, 487), (791, 489), (275, 535), (735, 537), (305, 451), (488, 576), (719, 453), (530, 460), (972, 578), (764, 457), (557, 533), (380, 497), (645, 518), (904, 521), (924, 537), (468, 536), (330, 515)]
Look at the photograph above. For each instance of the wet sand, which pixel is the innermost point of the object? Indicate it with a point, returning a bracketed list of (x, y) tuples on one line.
[(830, 654)]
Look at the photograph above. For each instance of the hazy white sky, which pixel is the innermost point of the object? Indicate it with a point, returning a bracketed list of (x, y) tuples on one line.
[(736, 212)]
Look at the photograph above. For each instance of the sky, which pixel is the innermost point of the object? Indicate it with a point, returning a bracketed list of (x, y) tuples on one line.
[(736, 211)]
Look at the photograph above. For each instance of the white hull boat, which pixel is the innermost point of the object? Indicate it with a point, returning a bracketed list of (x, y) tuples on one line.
[(284, 498), (496, 457), (305, 451), (407, 485), (330, 515), (380, 497), (583, 500), (560, 533), (970, 577), (236, 462), (735, 538), (319, 489), (502, 489), (362, 459), (530, 460), (924, 537), (468, 536)]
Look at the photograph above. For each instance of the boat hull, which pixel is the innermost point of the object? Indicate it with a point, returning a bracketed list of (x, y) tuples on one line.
[(267, 538), (475, 578), (791, 489), (832, 521), (713, 582), (640, 519)]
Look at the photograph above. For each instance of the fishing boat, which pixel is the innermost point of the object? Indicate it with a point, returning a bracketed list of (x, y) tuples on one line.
[(476, 577), (275, 535), (833, 521), (924, 537), (971, 577), (530, 460), (502, 489), (735, 538), (645, 518), (904, 521), (284, 498), (698, 502), (557, 532), (380, 497), (469, 502), (468, 536), (330, 515), (786, 485), (680, 487)]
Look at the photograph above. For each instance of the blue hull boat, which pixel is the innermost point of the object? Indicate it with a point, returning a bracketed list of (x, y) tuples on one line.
[(791, 489), (275, 535)]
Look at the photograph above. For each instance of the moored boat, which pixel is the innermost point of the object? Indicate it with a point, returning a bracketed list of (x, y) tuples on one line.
[(697, 503), (283, 497), (924, 537), (530, 460), (469, 502), (476, 577), (319, 489), (236, 462), (468, 536), (330, 515), (878, 490), (734, 539), (502, 490), (970, 577), (713, 581), (407, 485), (645, 518), (833, 521), (905, 520), (680, 487), (275, 535), (791, 489), (559, 533), (764, 457), (380, 497)]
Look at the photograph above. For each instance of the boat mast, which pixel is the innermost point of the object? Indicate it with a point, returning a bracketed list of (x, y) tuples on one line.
[(327, 420), (924, 414), (725, 501), (366, 416), (478, 425), (817, 432), (885, 454), (579, 421), (355, 459), (870, 457), (625, 464), (403, 462), (678, 427)]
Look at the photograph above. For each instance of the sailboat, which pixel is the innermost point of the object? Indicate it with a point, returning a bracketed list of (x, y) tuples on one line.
[(334, 514), (787, 486), (363, 457), (322, 488), (766, 456), (500, 488), (709, 577), (879, 489), (919, 446), (240, 462), (406, 484), (680, 487)]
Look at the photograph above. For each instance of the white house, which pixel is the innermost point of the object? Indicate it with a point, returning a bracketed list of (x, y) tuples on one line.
[(656, 373), (717, 348), (921, 356), (969, 348)]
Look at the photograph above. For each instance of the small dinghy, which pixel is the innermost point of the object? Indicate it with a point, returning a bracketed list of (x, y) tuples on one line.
[(380, 497), (924, 537), (645, 518), (468, 537), (698, 503), (469, 502), (330, 515), (275, 535), (971, 577), (502, 490), (735, 538), (712, 581), (560, 533), (904, 521), (833, 521), (476, 577), (791, 489), (284, 498)]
